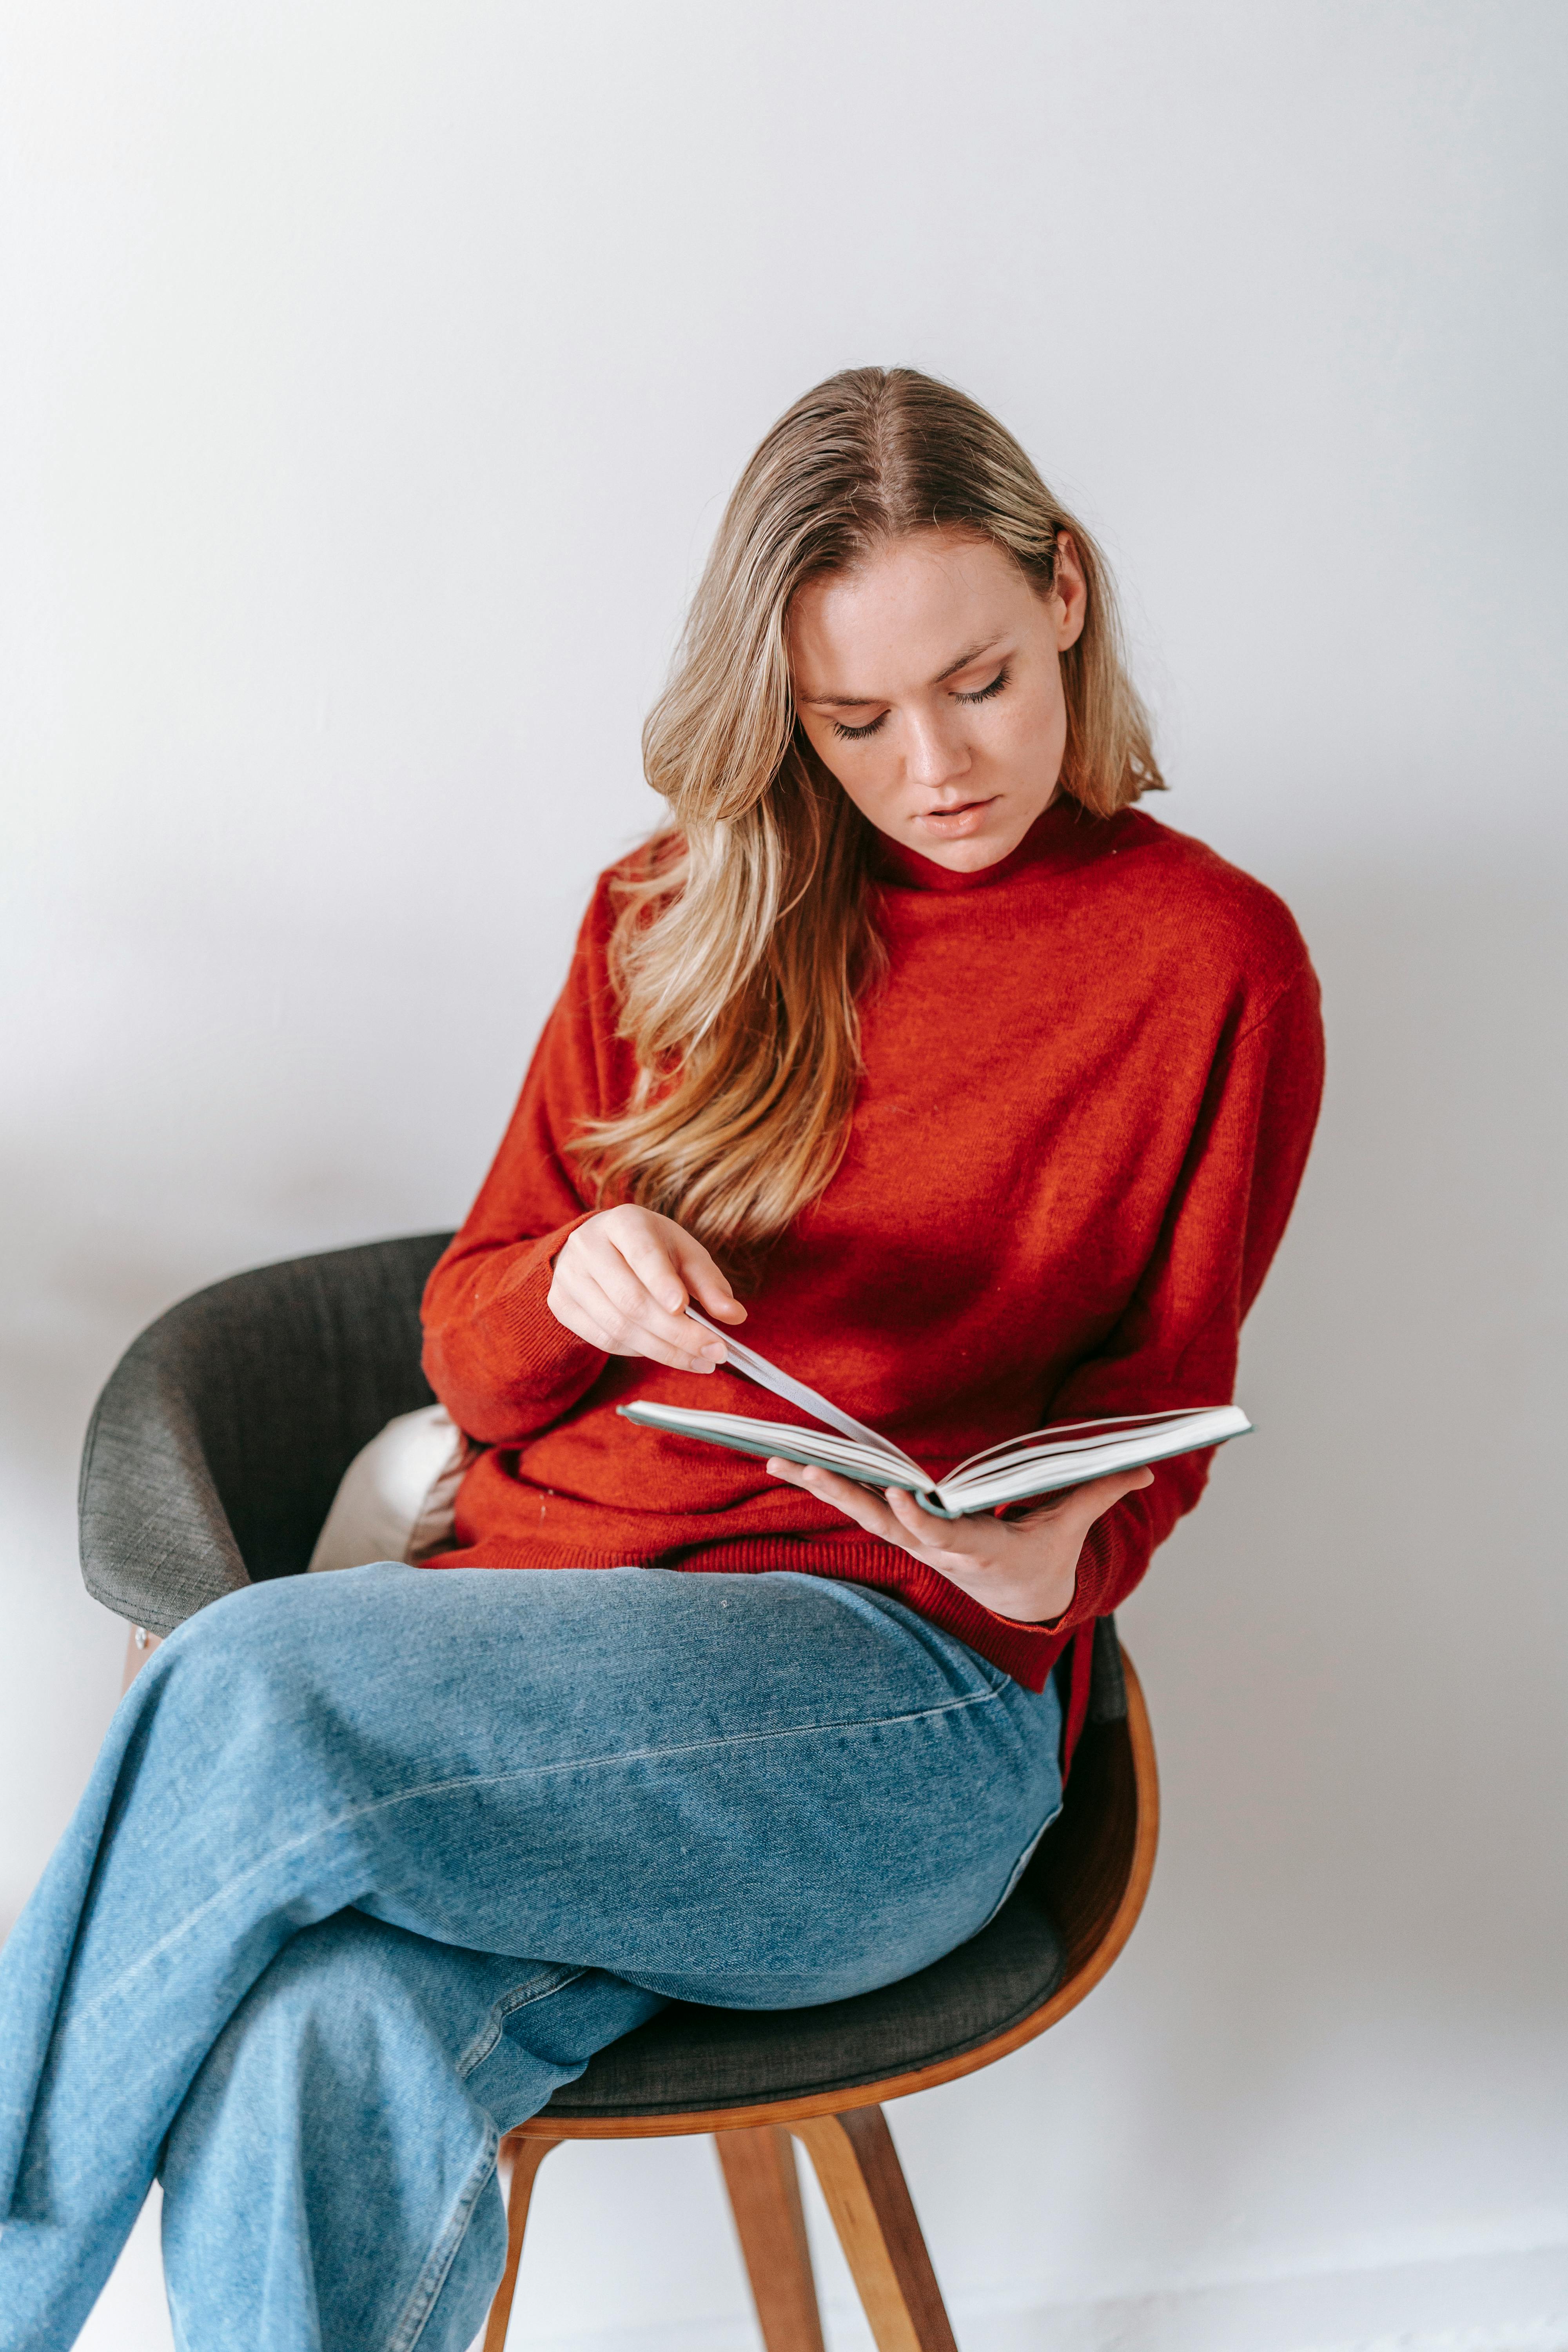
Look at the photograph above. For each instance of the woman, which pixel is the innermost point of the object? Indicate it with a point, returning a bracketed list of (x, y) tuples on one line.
[(980, 1099)]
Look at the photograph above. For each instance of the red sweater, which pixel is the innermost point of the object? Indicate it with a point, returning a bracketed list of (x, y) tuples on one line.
[(1091, 1074)]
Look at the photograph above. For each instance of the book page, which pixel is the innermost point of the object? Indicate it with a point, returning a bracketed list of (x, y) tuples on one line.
[(1042, 1470), (747, 1362), (1066, 1436), (873, 1465)]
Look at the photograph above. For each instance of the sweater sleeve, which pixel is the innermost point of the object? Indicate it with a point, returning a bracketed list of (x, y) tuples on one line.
[(1177, 1345), (494, 1354)]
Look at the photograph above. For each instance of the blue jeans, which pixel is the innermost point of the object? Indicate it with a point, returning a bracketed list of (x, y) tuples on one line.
[(371, 1863)]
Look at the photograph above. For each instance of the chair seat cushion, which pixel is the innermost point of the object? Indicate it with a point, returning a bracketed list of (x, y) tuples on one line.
[(689, 2058)]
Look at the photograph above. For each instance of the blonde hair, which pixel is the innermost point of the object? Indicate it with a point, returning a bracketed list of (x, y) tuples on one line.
[(744, 939)]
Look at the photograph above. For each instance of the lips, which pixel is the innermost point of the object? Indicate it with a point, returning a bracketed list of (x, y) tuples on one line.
[(962, 819)]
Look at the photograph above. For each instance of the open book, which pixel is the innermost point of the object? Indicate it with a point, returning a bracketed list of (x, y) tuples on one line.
[(1039, 1463)]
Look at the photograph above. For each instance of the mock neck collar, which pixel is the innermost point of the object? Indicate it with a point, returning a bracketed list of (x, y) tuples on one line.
[(1065, 834)]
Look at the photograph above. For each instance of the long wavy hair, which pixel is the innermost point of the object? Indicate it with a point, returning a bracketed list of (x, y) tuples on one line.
[(744, 937)]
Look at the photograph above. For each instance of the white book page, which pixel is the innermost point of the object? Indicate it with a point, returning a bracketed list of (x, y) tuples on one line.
[(1069, 1436), (1043, 1472), (768, 1376), (875, 1465)]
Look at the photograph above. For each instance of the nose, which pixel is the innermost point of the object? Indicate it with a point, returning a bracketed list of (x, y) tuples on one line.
[(935, 757)]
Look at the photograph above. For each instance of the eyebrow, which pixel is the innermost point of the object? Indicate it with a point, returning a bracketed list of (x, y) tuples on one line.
[(854, 701)]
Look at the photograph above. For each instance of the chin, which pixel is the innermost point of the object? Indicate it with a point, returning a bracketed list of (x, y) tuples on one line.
[(971, 851)]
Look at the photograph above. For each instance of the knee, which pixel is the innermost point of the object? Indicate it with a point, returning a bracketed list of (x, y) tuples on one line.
[(215, 1649), (245, 1666), (286, 1623)]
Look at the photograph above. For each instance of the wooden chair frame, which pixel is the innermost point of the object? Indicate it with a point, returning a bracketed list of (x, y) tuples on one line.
[(1099, 1859)]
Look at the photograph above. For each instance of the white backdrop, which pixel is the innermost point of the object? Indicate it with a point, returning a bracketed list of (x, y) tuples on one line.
[(371, 376)]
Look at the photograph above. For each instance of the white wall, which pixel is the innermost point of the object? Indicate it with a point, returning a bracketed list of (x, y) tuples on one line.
[(371, 376)]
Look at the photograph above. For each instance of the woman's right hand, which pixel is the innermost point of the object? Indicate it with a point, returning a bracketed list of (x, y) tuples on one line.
[(622, 1283)]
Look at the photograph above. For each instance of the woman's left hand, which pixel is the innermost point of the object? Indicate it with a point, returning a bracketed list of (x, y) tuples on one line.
[(1024, 1568)]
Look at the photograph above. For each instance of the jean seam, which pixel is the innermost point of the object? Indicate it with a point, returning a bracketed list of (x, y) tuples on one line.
[(428, 2286), (503, 1780), (540, 1988)]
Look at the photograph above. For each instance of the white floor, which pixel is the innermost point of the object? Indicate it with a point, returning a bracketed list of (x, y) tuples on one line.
[(1511, 2302)]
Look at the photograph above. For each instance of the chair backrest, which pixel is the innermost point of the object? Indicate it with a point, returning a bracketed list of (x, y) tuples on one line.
[(217, 1444), (1091, 1857)]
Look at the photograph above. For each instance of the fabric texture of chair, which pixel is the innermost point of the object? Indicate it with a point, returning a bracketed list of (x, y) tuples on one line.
[(211, 1461), (215, 1449)]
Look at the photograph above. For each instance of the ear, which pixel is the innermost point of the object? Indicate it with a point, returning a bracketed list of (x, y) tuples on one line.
[(1069, 600)]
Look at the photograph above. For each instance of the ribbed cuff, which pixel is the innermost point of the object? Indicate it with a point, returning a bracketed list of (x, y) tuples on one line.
[(540, 1354)]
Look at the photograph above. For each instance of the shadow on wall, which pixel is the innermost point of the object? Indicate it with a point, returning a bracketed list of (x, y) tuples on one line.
[(1372, 1592), (1357, 1653)]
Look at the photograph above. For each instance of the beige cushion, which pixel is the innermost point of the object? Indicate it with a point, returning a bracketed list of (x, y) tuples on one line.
[(398, 1494)]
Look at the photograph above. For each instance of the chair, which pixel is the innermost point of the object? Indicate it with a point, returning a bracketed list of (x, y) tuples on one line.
[(211, 1460)]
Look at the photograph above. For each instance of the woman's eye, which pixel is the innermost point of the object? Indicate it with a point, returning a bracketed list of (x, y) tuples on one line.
[(981, 694), (984, 693)]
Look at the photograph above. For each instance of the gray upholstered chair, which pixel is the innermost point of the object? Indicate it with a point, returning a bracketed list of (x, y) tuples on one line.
[(213, 1455)]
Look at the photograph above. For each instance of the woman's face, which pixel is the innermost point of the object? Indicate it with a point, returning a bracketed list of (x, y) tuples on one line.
[(928, 682)]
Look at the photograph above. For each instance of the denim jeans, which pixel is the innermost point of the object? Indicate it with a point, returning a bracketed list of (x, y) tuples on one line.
[(371, 1863)]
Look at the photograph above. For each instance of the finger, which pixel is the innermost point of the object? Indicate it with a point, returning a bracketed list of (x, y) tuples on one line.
[(658, 1257), (894, 1515), (591, 1313), (624, 1331), (957, 1535), (706, 1280), (1097, 1495), (876, 1515), (959, 1550), (861, 1504), (1075, 1509), (671, 1263), (1118, 1483), (647, 1326), (652, 1261)]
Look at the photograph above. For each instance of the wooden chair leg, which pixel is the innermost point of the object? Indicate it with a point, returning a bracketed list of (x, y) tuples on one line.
[(522, 2159), (867, 2195), (765, 2197)]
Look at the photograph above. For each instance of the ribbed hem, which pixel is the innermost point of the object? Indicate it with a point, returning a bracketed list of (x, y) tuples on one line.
[(1028, 1652)]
